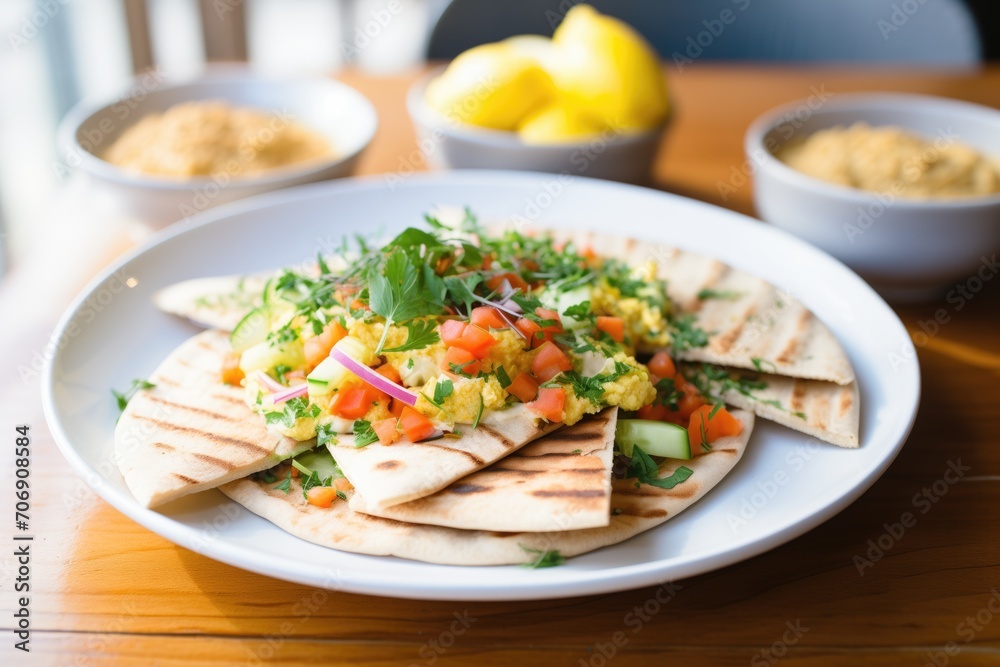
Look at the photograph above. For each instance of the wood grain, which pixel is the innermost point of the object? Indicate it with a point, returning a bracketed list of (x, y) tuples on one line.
[(108, 592)]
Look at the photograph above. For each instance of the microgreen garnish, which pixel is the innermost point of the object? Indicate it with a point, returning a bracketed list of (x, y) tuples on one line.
[(592, 388), (294, 409), (285, 484), (122, 398), (684, 335), (325, 435), (442, 390), (543, 558)]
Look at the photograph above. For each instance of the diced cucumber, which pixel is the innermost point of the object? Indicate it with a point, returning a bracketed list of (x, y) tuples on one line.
[(655, 438), (320, 461), (252, 329), (566, 300), (265, 356), (328, 376)]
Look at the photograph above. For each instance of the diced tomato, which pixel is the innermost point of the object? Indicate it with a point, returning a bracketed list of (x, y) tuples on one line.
[(613, 326), (654, 412), (352, 402), (691, 398), (415, 426), (389, 372), (357, 304), (531, 331), (524, 387), (487, 262), (516, 281), (549, 404), (386, 431), (231, 372), (343, 484), (719, 425), (549, 361), (662, 365), (321, 496), (318, 347), (396, 408), (476, 340), (456, 360), (488, 318), (451, 331)]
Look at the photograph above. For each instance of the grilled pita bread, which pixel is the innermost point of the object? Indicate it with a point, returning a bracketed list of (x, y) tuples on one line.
[(559, 482), (388, 475), (825, 410), (748, 320), (191, 432), (215, 303), (634, 510)]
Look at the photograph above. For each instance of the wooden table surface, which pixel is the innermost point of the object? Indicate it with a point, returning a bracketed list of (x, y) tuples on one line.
[(106, 591)]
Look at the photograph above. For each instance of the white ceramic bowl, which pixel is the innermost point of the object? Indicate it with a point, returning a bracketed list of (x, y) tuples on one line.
[(450, 144), (905, 248), (337, 111)]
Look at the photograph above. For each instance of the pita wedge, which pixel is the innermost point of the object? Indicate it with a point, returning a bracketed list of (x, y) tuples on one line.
[(394, 474), (216, 303), (191, 432), (559, 482), (634, 510), (825, 410), (748, 320)]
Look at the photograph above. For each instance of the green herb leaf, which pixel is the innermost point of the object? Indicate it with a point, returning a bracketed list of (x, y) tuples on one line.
[(645, 471), (286, 484), (726, 295), (546, 558), (420, 334), (502, 377), (122, 398), (325, 435), (759, 364), (684, 335), (442, 390), (364, 434), (395, 293), (580, 311), (592, 388), (294, 409), (479, 414)]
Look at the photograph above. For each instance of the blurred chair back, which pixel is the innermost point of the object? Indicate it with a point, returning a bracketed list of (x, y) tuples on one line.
[(939, 33), (223, 27)]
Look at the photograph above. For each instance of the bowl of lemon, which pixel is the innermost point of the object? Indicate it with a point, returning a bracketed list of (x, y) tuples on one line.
[(590, 101)]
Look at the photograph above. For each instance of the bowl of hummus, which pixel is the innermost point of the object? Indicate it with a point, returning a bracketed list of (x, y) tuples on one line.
[(164, 151), (904, 189)]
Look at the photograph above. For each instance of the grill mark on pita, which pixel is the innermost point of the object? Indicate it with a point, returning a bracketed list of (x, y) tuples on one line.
[(502, 439), (464, 489), (647, 514), (190, 408), (538, 456), (568, 493), (679, 491), (791, 350), (163, 445), (184, 478), (228, 399), (214, 437), (475, 459), (388, 465), (576, 436), (725, 341), (796, 402), (166, 382), (845, 403), (225, 465)]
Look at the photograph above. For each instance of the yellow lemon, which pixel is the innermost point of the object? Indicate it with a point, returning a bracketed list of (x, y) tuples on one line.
[(558, 123), (605, 66), (492, 85)]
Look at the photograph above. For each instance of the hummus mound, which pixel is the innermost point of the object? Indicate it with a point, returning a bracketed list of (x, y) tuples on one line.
[(207, 138), (890, 159)]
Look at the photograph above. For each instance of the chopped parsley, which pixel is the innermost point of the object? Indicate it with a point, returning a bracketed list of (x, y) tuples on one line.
[(442, 390), (479, 414), (592, 388), (580, 311), (543, 558), (502, 377), (364, 434), (285, 484), (325, 435), (645, 471), (420, 334), (684, 335), (759, 364), (396, 293), (725, 295), (667, 394), (294, 409)]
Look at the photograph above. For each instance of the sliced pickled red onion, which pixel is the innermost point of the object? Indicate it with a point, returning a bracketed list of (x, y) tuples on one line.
[(376, 380)]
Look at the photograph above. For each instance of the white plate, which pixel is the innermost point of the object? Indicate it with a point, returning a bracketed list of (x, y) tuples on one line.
[(786, 484)]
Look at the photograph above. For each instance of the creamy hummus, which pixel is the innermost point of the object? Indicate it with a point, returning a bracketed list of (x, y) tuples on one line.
[(890, 159), (205, 138)]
